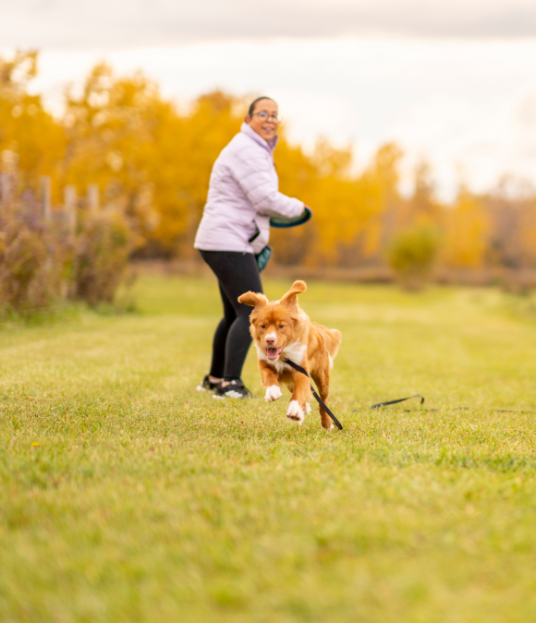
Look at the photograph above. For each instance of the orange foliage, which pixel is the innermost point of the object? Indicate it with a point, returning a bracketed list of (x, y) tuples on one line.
[(153, 160), (29, 136), (466, 233)]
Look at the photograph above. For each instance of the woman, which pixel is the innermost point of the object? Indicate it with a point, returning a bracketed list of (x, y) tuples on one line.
[(242, 197)]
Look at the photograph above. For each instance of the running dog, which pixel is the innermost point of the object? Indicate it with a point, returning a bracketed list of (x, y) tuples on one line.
[(282, 331)]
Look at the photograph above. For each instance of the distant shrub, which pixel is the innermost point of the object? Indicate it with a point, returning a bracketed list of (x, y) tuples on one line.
[(412, 254), (103, 246), (521, 282), (42, 263), (33, 256)]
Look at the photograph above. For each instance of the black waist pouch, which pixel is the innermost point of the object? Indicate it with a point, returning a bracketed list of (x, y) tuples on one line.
[(263, 257)]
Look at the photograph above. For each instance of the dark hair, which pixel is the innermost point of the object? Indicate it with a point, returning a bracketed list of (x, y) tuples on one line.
[(251, 108)]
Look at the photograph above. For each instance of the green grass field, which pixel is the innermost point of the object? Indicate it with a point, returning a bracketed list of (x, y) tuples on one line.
[(127, 496)]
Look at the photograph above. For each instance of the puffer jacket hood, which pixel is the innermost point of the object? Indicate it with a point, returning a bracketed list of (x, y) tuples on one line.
[(243, 194)]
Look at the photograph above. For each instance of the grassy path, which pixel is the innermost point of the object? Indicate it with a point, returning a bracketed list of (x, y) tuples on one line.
[(127, 496)]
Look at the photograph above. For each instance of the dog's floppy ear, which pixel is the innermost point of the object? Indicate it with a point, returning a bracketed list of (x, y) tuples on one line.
[(253, 299), (289, 298)]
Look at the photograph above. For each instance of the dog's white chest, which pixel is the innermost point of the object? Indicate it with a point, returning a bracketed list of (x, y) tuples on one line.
[(279, 366), (295, 352)]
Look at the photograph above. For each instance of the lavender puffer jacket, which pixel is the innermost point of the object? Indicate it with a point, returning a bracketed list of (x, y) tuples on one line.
[(243, 195)]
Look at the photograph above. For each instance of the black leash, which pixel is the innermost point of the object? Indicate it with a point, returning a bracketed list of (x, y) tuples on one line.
[(318, 399), (376, 406), (394, 402), (327, 409)]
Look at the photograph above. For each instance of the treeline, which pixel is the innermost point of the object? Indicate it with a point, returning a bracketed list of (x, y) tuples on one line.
[(151, 160)]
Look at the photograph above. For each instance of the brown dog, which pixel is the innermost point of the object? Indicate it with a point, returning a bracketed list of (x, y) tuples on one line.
[(281, 330)]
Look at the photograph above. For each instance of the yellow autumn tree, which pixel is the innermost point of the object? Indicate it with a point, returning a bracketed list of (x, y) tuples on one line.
[(323, 181), (30, 138), (110, 129), (211, 123), (422, 209), (528, 233), (144, 154), (297, 178), (380, 201), (466, 233)]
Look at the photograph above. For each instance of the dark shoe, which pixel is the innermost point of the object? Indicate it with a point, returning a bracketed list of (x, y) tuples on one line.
[(235, 389), (207, 385)]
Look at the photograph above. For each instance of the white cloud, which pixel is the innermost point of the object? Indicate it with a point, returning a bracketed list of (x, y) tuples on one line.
[(524, 114), (113, 24)]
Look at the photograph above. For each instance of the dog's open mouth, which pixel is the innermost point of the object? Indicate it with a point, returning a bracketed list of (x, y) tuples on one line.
[(273, 353)]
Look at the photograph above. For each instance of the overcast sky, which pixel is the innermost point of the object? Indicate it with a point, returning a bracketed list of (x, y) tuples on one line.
[(451, 81), (119, 23)]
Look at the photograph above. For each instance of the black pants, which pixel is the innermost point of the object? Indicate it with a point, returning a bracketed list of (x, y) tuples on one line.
[(237, 273)]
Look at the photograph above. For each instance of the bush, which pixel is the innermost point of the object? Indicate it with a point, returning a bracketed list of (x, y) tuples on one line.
[(42, 263), (102, 250), (34, 256), (412, 254)]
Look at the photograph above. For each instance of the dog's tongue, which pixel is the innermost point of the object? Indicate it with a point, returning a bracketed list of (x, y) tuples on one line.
[(273, 353)]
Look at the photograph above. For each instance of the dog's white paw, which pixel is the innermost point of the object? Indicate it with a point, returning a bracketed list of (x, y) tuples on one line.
[(295, 412), (273, 393), (307, 408)]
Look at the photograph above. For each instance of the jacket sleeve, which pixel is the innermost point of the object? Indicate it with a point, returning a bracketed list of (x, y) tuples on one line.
[(255, 176)]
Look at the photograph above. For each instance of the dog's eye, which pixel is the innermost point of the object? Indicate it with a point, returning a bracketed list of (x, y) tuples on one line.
[(263, 326), (281, 326)]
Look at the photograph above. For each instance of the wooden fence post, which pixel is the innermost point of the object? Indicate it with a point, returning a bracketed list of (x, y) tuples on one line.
[(45, 197), (93, 197), (69, 205), (5, 187)]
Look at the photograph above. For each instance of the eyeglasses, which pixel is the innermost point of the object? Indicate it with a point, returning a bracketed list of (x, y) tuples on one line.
[(264, 115)]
